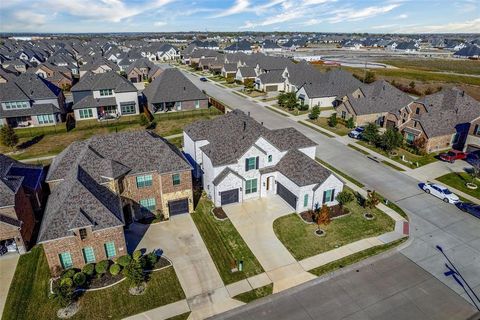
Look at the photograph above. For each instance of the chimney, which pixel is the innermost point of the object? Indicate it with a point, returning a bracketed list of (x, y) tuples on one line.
[(463, 93), (244, 125), (249, 113), (261, 123), (184, 88)]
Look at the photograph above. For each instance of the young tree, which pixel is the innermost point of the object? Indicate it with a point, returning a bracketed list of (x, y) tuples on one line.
[(412, 85), (370, 134), (8, 137), (314, 113), (372, 200), (291, 100), (281, 99), (350, 123), (134, 273), (332, 121), (323, 218), (369, 77), (391, 139)]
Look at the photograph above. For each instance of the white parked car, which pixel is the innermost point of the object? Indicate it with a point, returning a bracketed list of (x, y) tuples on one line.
[(356, 133), (441, 192)]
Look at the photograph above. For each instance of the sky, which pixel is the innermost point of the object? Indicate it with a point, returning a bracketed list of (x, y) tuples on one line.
[(373, 16)]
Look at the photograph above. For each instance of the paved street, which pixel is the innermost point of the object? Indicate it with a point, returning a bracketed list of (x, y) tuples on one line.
[(391, 288), (433, 222)]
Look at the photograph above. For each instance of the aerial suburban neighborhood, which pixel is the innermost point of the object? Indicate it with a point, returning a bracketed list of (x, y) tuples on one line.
[(261, 167)]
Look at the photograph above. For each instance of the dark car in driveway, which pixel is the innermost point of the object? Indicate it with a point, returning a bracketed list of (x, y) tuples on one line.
[(473, 209)]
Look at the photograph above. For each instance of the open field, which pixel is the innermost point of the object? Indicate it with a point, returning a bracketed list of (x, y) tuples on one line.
[(51, 140), (29, 289), (437, 65)]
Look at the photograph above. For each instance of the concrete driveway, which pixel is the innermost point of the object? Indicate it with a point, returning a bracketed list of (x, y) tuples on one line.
[(253, 219), (8, 264), (181, 242)]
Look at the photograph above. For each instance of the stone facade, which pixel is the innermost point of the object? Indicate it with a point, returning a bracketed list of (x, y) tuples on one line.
[(74, 245), (23, 212)]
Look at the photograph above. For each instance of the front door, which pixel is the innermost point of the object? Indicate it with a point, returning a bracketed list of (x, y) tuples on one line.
[(270, 184)]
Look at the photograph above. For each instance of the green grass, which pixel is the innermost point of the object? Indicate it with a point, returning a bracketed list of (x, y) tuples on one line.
[(52, 141), (224, 244), (318, 130), (393, 206), (391, 165), (300, 239), (438, 65), (344, 175), (413, 159), (255, 294), (354, 147), (29, 289), (178, 141), (183, 316), (458, 180), (354, 258), (276, 110), (294, 112), (339, 129)]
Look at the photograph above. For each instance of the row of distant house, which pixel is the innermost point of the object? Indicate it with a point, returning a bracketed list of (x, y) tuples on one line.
[(447, 118), (101, 184)]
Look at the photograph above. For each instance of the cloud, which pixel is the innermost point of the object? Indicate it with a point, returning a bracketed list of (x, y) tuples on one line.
[(239, 7), (354, 14), (470, 26), (105, 10), (403, 16), (30, 18), (159, 23)]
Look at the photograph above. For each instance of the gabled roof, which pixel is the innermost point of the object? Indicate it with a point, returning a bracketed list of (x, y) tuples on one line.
[(109, 80), (334, 83), (469, 51), (171, 85), (242, 45), (272, 77), (222, 175), (231, 135), (248, 72)]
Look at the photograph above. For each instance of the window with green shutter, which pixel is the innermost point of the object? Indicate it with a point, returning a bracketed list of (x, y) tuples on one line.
[(88, 255), (148, 205), (176, 179), (110, 249), (251, 163), (328, 195), (251, 186), (305, 200), (144, 181), (66, 260)]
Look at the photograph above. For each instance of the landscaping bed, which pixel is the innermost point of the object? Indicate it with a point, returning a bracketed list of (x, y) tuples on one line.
[(300, 239), (219, 213), (224, 244), (335, 212), (30, 288), (255, 294), (294, 112)]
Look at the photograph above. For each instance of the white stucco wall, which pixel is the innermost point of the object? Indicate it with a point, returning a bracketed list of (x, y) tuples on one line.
[(312, 102)]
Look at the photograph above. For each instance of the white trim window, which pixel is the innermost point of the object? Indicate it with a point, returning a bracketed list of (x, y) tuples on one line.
[(106, 92), (45, 118), (197, 104), (85, 113)]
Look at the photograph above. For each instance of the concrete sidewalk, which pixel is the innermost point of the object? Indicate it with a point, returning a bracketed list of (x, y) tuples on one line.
[(8, 264)]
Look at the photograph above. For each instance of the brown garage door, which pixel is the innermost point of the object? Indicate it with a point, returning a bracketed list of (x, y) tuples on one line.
[(271, 88)]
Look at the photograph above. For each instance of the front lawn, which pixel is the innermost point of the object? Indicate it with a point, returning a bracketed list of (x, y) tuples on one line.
[(224, 244), (51, 140), (295, 112), (458, 180), (28, 296), (339, 129), (411, 160), (300, 239), (255, 294)]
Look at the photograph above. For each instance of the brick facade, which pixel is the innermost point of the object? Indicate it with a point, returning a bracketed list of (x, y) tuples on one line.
[(75, 244), (23, 212)]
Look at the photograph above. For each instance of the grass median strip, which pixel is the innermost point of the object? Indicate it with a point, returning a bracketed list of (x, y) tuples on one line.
[(277, 111), (30, 286), (347, 177), (255, 294), (354, 147), (307, 124), (391, 165), (224, 244), (354, 258)]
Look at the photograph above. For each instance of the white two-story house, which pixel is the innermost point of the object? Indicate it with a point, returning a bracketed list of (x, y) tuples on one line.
[(239, 159), (103, 96)]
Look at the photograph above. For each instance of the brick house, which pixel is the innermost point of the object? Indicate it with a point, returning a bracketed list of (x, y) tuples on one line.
[(172, 91), (142, 70), (442, 120), (101, 184), (20, 193)]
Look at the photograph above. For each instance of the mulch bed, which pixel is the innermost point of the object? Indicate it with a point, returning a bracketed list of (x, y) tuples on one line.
[(162, 262), (335, 212), (106, 280), (219, 213)]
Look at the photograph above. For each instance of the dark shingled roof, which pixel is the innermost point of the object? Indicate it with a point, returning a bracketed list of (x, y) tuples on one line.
[(90, 101), (335, 83), (230, 67), (302, 169), (222, 175), (248, 72), (81, 199), (379, 96), (10, 221), (109, 80), (231, 135), (272, 77), (171, 86), (445, 110)]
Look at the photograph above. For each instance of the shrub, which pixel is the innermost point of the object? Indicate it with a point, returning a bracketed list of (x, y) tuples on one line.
[(123, 261), (101, 267), (137, 254), (332, 121), (115, 269), (134, 273), (303, 107), (350, 123), (391, 140), (64, 293), (369, 77), (8, 136), (69, 273), (79, 279), (89, 269), (66, 282), (151, 259), (370, 134), (344, 197), (144, 120), (314, 113)]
